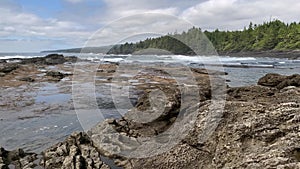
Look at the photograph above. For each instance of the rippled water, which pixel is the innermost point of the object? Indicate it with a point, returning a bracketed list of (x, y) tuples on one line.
[(49, 94), (35, 134)]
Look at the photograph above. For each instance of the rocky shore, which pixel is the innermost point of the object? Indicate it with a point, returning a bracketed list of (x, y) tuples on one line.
[(16, 72), (258, 128)]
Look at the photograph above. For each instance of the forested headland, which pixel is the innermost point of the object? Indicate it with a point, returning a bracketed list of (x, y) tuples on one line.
[(269, 36)]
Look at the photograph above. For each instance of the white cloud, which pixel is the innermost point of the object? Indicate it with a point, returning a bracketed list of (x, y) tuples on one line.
[(121, 8), (235, 14), (124, 19), (128, 28), (73, 28), (18, 24)]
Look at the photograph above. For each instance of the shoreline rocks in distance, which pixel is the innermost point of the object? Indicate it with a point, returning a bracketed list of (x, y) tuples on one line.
[(292, 55), (51, 59), (53, 67)]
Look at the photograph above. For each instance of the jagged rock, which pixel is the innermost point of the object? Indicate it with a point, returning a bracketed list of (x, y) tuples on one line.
[(77, 151), (17, 158), (279, 81)]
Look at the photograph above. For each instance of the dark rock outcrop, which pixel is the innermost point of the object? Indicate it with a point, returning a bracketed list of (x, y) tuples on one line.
[(55, 76), (7, 68), (17, 158), (51, 59), (279, 81), (251, 93), (76, 152), (54, 59), (27, 79)]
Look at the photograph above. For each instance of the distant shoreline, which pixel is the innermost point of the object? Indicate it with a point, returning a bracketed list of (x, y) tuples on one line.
[(290, 54)]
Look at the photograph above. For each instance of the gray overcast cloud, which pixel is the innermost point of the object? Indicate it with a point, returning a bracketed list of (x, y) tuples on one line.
[(32, 30)]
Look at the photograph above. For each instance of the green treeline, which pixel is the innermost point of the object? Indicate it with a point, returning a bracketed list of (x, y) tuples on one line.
[(274, 35)]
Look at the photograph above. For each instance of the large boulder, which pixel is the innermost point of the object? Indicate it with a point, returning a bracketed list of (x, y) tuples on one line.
[(279, 81), (54, 59)]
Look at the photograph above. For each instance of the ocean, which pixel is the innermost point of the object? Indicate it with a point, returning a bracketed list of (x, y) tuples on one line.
[(242, 71)]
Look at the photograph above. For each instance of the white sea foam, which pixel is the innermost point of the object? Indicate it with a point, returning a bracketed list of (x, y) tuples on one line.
[(17, 57), (200, 59), (113, 59)]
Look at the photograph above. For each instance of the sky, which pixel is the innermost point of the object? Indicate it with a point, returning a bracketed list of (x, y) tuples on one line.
[(36, 25)]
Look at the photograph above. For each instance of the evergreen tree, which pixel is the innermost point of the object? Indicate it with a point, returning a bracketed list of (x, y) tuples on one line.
[(274, 35)]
